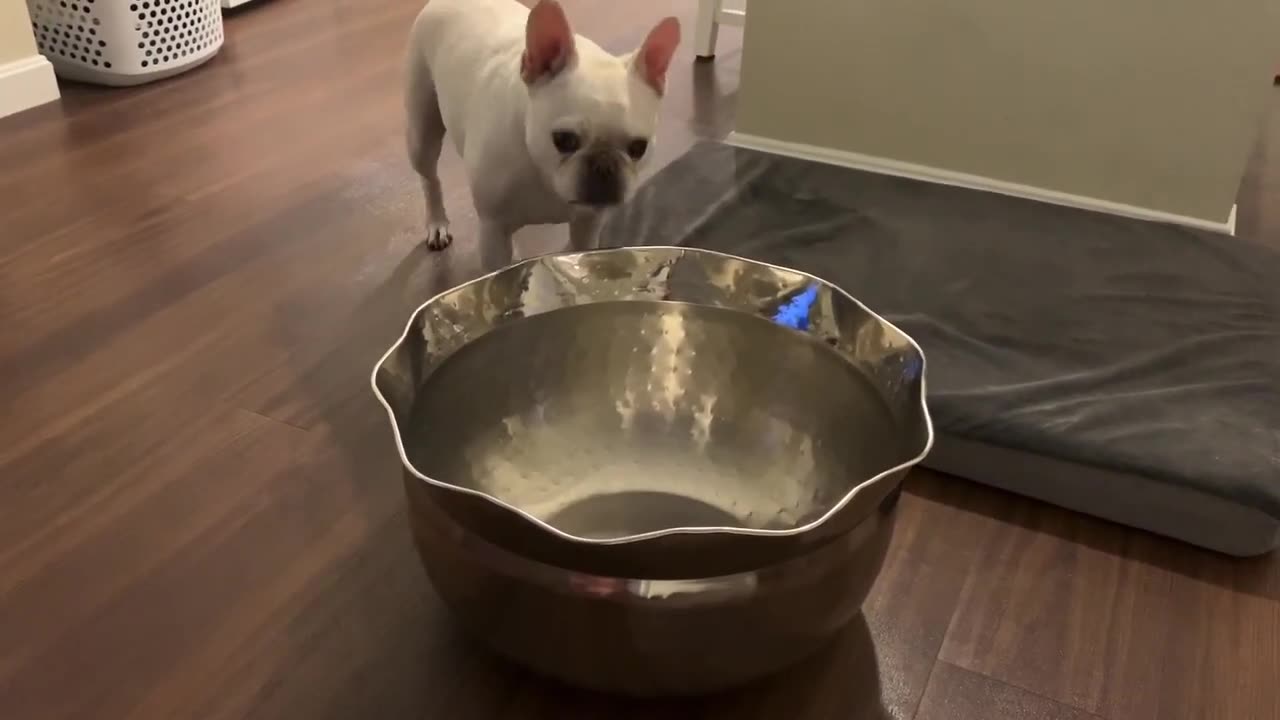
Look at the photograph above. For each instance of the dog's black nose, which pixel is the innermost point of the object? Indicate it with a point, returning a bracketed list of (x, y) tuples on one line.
[(600, 182)]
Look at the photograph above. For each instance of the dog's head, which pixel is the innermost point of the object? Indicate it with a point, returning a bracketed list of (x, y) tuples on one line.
[(591, 115)]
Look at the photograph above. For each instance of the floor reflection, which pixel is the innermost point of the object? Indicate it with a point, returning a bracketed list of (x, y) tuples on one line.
[(842, 681)]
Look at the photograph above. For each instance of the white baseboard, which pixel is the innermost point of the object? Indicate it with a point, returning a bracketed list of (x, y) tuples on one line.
[(884, 166), (25, 84)]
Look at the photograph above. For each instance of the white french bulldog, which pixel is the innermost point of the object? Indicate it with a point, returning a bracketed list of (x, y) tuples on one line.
[(551, 128)]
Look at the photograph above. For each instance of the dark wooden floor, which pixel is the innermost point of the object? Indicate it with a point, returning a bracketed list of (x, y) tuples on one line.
[(199, 507)]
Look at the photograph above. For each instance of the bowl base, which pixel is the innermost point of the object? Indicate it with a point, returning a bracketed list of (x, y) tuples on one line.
[(637, 512)]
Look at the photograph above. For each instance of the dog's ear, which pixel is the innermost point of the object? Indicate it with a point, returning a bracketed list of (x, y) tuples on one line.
[(548, 42), (654, 56)]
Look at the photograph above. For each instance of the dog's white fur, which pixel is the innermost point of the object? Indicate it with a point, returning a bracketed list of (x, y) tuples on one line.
[(500, 80)]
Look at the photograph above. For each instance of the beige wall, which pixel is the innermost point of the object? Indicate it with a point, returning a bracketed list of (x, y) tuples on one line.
[(1154, 103), (16, 40)]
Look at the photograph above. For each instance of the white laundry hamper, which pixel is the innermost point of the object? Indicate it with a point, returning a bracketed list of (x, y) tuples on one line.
[(125, 42)]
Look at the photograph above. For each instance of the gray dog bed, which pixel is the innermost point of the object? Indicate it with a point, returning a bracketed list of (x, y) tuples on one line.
[(1124, 369)]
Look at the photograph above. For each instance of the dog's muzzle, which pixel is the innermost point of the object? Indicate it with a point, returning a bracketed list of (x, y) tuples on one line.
[(601, 180)]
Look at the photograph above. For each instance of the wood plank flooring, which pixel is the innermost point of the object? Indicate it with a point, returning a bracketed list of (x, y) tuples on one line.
[(200, 513)]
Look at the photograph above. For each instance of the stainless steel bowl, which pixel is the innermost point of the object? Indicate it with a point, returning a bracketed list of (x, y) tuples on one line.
[(653, 470)]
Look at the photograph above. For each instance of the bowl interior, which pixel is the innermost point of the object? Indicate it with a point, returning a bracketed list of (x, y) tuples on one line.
[(614, 419)]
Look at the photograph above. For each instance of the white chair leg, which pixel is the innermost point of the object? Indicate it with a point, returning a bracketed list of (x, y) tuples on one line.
[(706, 29)]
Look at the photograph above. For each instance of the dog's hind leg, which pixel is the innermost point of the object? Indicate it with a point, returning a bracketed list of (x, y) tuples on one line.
[(425, 136)]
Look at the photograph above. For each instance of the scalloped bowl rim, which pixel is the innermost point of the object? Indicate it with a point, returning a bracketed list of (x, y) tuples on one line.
[(679, 530)]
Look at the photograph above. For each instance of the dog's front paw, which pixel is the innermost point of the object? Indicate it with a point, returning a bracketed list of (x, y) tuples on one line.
[(438, 236)]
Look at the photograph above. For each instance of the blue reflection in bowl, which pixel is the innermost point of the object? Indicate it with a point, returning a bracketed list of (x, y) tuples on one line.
[(795, 312)]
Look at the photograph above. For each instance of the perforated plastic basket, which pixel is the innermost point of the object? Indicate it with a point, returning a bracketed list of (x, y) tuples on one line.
[(125, 42)]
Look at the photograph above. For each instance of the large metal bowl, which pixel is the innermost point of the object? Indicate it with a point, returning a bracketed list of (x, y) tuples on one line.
[(653, 470)]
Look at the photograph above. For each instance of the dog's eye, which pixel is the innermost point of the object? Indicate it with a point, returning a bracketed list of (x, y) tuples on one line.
[(566, 141), (637, 148)]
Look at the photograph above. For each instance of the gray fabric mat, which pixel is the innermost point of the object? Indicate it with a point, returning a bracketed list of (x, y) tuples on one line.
[(1101, 341)]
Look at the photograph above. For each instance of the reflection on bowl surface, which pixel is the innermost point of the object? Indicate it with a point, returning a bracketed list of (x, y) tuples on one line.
[(623, 418)]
